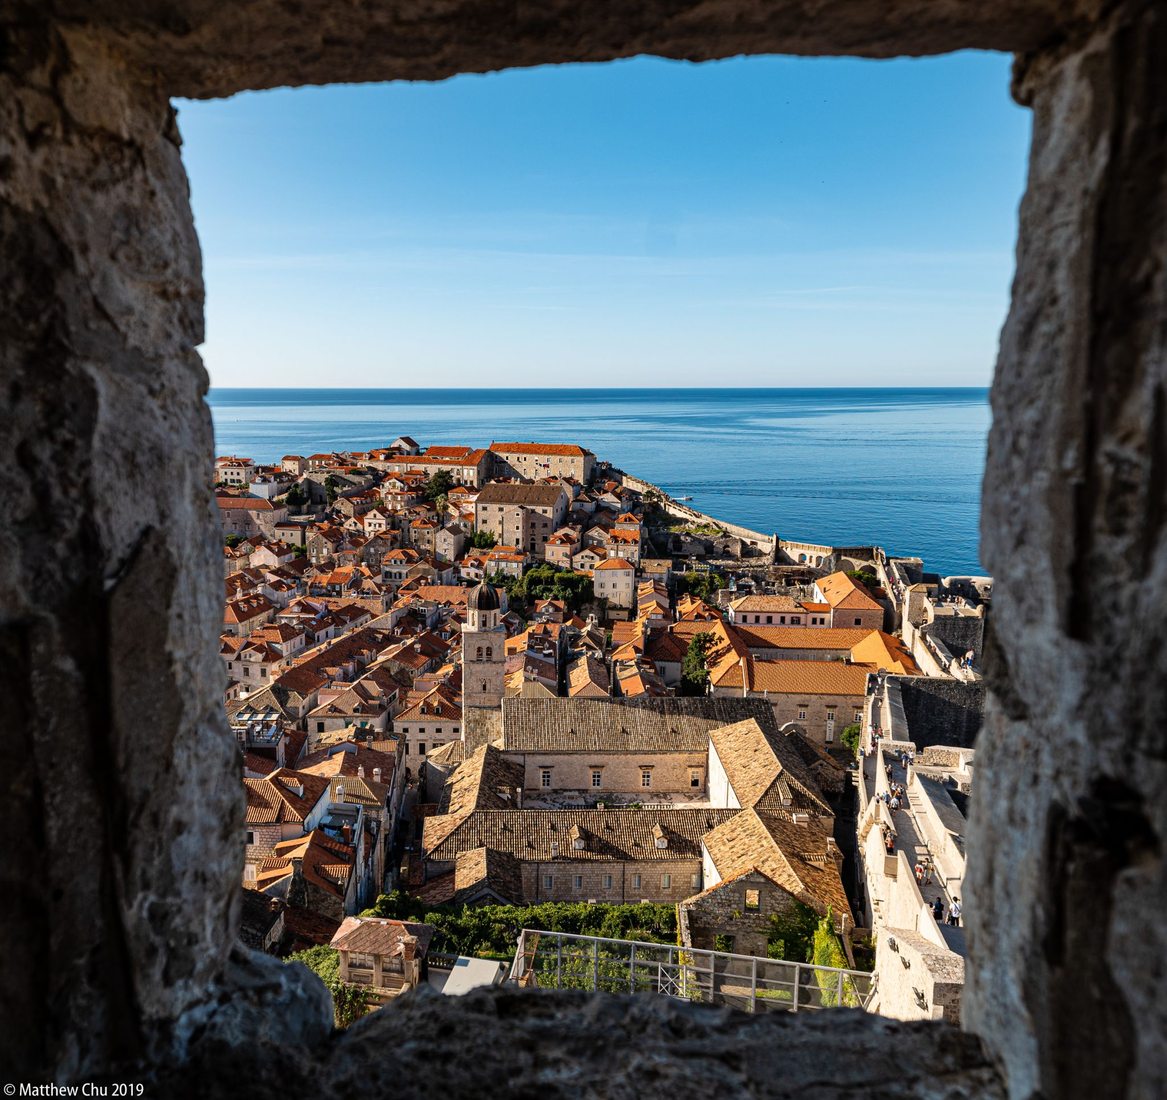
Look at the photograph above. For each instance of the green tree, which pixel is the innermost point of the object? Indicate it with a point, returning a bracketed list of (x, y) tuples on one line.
[(483, 540), (702, 585), (349, 1002), (233, 540), (491, 930), (850, 737), (829, 952), (695, 666), (322, 960), (439, 484), (864, 577), (791, 934), (296, 497)]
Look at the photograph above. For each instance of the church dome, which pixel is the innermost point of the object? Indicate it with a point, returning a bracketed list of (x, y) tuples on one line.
[(483, 598)]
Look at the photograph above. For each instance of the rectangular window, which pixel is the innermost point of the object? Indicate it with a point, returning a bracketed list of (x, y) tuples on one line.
[(421, 748), (577, 882), (545, 777), (597, 777), (548, 882), (645, 777), (858, 622), (360, 961), (319, 727), (250, 838), (802, 714), (769, 619), (858, 715), (666, 882), (635, 882), (694, 778), (795, 620), (607, 882)]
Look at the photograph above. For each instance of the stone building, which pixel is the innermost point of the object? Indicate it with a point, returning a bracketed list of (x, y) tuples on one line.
[(850, 603), (483, 651), (522, 516), (536, 461), (386, 956), (597, 800)]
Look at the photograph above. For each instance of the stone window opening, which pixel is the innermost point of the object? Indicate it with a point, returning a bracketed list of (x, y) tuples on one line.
[(1077, 424)]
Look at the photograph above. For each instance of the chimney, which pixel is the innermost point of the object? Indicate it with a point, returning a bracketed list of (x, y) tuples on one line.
[(519, 797), (346, 831), (360, 771), (408, 947), (376, 775)]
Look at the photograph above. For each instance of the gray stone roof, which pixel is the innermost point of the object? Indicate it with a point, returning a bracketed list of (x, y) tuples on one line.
[(510, 492), (617, 834), (597, 725)]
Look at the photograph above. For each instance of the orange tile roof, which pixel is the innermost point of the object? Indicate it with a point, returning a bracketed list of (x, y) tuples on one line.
[(797, 677), (841, 591), (839, 639), (249, 504), (885, 652), (567, 450)]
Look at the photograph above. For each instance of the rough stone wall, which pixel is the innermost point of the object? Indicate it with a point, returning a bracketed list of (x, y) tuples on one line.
[(1066, 876), (942, 711), (572, 1046), (959, 633), (117, 759), (723, 912)]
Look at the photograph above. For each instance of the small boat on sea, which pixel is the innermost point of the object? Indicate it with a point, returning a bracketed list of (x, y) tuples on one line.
[(682, 498)]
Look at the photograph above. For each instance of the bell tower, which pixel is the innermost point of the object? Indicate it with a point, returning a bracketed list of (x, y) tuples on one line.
[(483, 651)]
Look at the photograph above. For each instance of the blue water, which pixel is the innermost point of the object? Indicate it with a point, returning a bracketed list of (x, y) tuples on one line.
[(897, 467)]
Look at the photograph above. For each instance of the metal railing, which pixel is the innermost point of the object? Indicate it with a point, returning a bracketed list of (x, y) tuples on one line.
[(557, 960)]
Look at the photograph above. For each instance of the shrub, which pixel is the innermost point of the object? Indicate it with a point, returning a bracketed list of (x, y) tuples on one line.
[(792, 932), (829, 952), (850, 738), (491, 930)]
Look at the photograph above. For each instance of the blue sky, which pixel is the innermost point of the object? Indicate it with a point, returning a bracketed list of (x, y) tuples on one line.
[(758, 221)]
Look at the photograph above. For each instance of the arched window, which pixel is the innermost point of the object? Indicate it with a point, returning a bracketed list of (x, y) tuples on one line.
[(489, 652), (478, 655), (484, 685)]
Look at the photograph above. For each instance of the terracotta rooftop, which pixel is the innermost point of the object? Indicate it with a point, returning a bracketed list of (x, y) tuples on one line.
[(380, 936), (564, 450), (839, 590)]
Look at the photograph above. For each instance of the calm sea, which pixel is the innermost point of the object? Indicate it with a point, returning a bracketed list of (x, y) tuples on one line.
[(897, 467)]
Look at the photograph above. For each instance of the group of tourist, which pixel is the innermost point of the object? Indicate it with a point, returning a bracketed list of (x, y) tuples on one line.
[(949, 916), (923, 871), (895, 797)]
